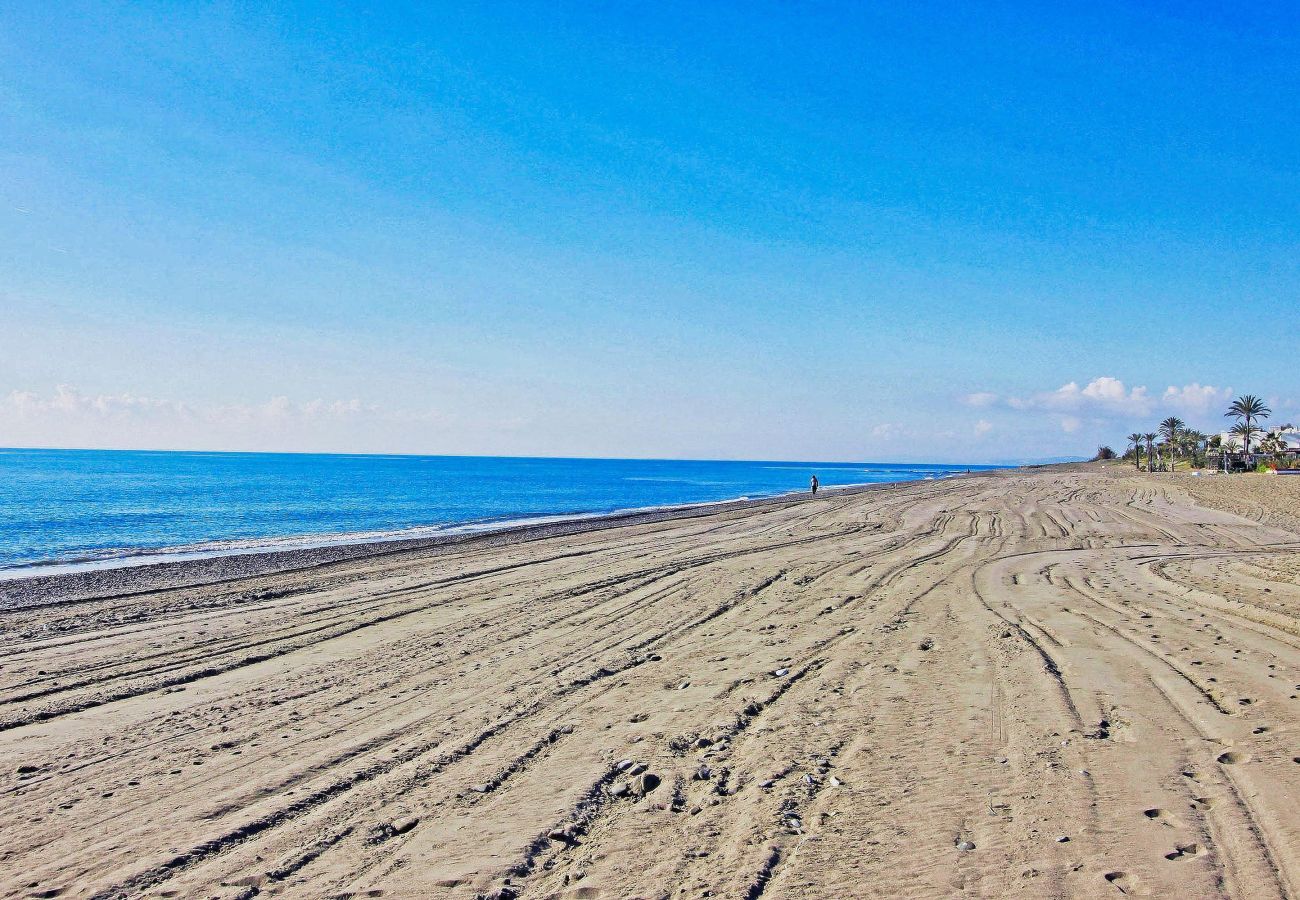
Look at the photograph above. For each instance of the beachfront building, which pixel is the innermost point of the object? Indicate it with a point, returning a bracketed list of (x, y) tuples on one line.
[(1230, 455)]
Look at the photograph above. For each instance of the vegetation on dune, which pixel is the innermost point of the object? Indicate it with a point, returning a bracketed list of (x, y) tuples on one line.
[(1173, 444), (1135, 447)]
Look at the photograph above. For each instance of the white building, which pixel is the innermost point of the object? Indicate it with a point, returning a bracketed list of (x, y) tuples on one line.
[(1289, 438)]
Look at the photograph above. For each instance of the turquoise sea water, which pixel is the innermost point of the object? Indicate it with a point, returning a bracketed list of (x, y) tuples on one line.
[(89, 508)]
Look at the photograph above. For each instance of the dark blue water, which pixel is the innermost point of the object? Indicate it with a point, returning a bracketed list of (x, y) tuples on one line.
[(100, 507)]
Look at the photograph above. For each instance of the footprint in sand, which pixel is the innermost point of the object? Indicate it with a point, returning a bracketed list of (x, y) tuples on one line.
[(1184, 851), (1164, 817), (1231, 758), (1121, 880)]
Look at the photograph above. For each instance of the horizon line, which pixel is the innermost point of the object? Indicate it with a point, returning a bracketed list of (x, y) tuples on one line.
[(845, 462)]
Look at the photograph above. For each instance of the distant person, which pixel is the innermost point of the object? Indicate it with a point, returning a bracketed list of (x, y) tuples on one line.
[(813, 484)]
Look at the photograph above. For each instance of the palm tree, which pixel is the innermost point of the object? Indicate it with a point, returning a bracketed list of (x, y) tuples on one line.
[(1171, 430), (1150, 438), (1249, 408), (1244, 431), (1135, 440), (1225, 447), (1171, 427)]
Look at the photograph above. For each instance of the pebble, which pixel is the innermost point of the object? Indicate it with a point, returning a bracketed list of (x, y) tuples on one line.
[(403, 825), (481, 788), (1062, 839), (702, 742), (703, 773), (636, 769), (623, 765), (619, 789), (781, 673), (768, 783), (567, 834), (965, 845)]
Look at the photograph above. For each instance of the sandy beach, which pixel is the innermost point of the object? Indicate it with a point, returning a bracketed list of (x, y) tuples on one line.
[(1064, 682)]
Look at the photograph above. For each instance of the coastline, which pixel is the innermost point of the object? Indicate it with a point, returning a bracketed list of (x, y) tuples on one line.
[(124, 576)]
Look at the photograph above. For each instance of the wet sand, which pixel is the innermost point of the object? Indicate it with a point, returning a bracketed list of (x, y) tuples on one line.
[(1070, 681)]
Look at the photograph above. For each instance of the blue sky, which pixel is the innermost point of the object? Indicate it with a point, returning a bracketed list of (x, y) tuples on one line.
[(815, 231)]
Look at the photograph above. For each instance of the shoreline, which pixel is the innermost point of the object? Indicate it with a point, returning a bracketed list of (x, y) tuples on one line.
[(129, 577), (126, 557)]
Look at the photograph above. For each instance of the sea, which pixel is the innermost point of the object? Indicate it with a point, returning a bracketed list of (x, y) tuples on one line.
[(73, 510)]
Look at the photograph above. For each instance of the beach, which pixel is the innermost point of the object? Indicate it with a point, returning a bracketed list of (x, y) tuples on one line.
[(1072, 681)]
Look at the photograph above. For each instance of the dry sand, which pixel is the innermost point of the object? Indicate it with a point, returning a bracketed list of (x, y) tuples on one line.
[(1065, 682)]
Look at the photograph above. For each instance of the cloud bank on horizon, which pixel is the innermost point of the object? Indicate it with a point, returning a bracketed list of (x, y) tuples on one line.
[(1108, 399), (1108, 409), (1104, 410)]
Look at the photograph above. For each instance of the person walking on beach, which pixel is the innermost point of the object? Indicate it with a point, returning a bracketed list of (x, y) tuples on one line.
[(813, 484)]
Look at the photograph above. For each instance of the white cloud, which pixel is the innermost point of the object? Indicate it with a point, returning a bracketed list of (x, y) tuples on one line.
[(68, 417), (1196, 399), (1070, 424), (1104, 394), (1106, 398), (983, 427), (67, 401), (981, 399)]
